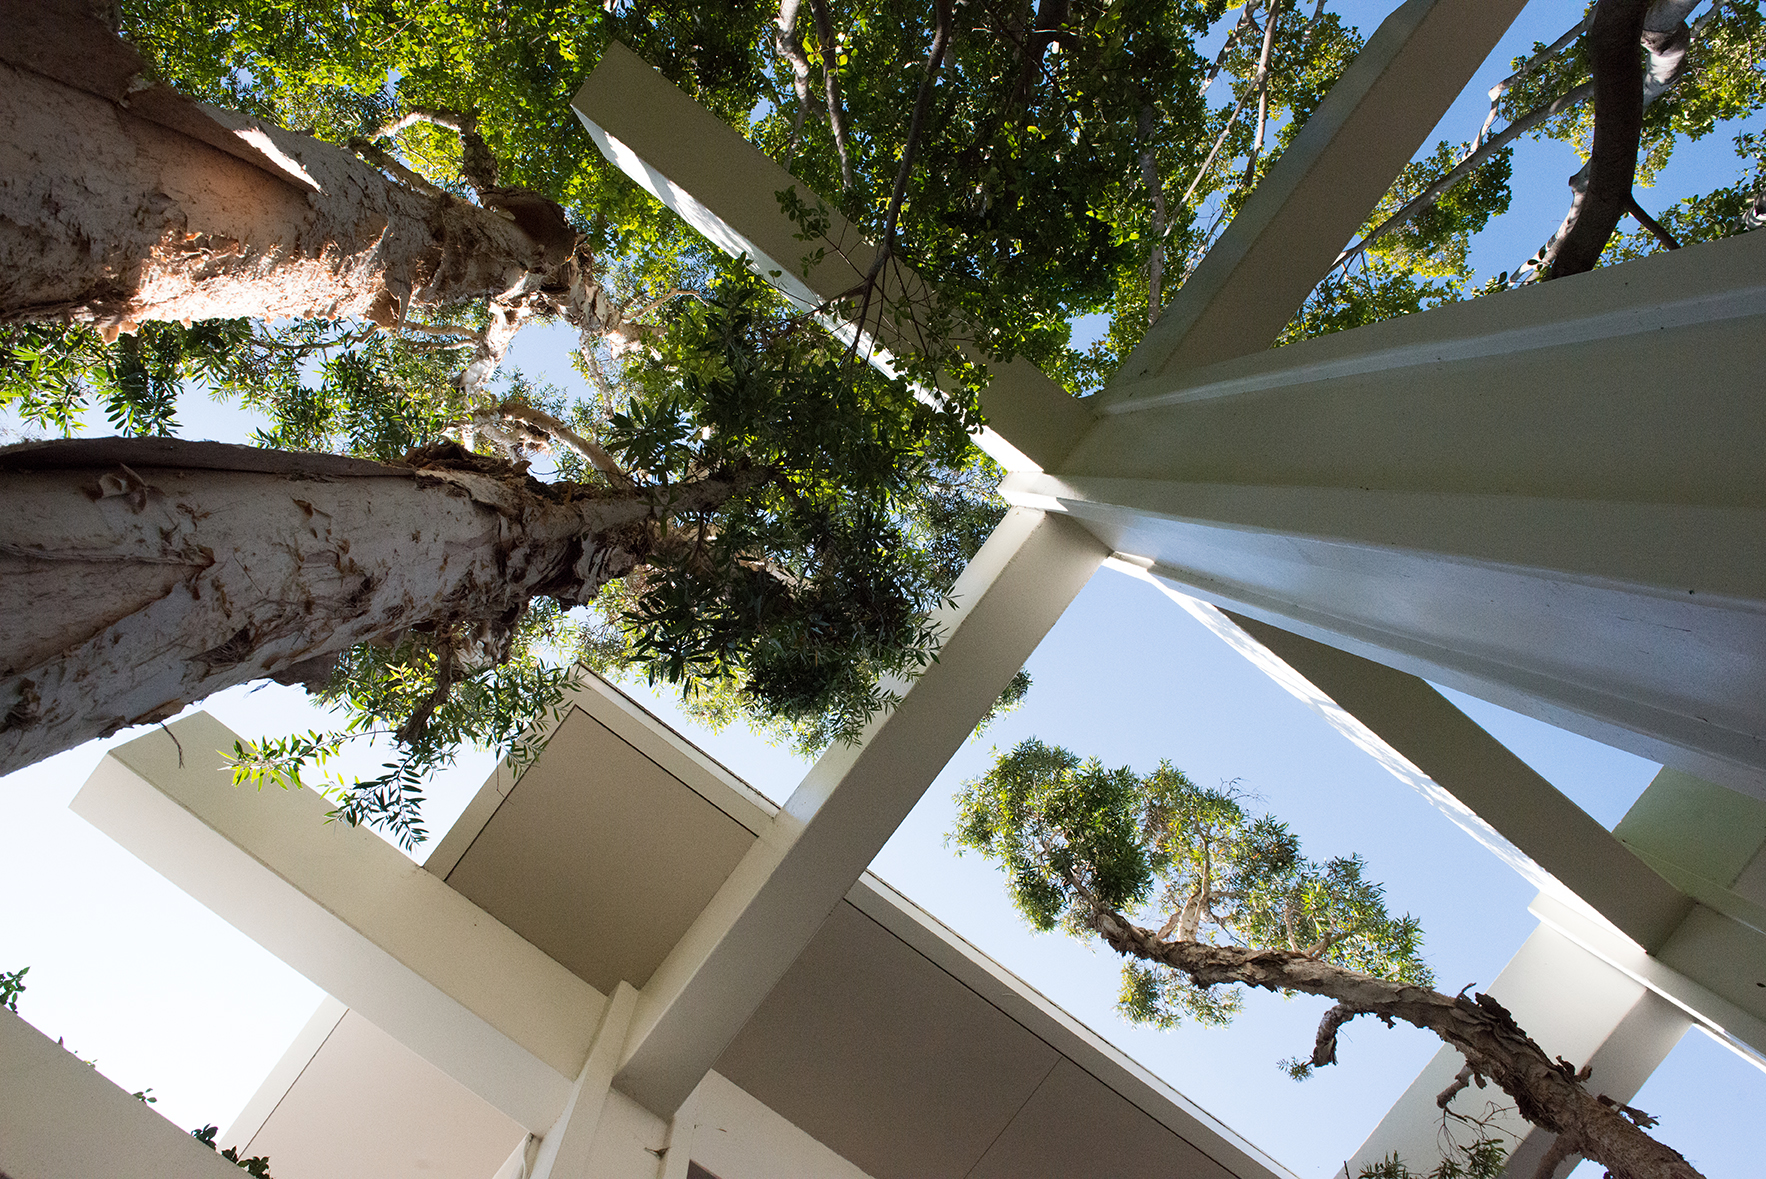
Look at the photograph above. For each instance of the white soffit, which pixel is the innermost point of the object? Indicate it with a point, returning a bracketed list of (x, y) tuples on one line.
[(363, 1106), (599, 856)]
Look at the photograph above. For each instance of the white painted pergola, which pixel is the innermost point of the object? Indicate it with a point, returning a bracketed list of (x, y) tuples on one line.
[(1552, 498)]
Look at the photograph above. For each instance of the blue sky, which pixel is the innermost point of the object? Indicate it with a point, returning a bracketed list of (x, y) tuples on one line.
[(163, 994)]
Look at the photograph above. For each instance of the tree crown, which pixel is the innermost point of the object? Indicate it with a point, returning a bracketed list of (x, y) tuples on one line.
[(1078, 840)]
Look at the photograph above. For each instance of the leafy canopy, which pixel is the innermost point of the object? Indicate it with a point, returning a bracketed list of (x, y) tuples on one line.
[(1077, 839)]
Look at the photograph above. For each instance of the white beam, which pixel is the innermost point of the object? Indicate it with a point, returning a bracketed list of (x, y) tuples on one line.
[(725, 187), (1673, 976), (1549, 498), (1575, 1006), (847, 807), (568, 1146), (386, 938), (61, 1119), (1312, 200), (1470, 776)]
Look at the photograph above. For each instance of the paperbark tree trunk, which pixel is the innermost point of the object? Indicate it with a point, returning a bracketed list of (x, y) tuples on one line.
[(122, 202), (1547, 1092), (144, 574)]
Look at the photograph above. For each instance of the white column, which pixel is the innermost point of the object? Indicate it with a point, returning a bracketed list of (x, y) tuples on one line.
[(1575, 1006), (351, 913), (847, 807), (596, 1137), (61, 1119)]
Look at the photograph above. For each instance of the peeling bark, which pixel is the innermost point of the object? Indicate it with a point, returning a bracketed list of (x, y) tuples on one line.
[(1548, 1093), (119, 205), (177, 569)]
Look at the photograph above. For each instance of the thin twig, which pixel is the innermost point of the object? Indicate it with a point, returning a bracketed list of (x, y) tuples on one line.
[(1219, 142), (1232, 35), (1526, 68), (1656, 228)]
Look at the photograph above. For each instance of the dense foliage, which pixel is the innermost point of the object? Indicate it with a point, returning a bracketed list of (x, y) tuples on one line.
[(1075, 838)]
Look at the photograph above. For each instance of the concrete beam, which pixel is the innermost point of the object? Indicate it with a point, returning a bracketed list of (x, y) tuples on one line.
[(352, 914), (1314, 198), (853, 799), (566, 1149), (727, 189), (62, 1119), (1516, 496)]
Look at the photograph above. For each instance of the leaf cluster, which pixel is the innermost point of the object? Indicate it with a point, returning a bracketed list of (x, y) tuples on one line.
[(258, 1166), (50, 374), (808, 588), (1078, 840)]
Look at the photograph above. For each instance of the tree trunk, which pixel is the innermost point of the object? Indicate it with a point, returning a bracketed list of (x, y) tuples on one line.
[(1547, 1092), (144, 574), (1595, 209), (121, 202)]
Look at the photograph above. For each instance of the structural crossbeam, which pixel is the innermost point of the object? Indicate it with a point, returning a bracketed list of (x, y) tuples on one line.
[(420, 961), (847, 807)]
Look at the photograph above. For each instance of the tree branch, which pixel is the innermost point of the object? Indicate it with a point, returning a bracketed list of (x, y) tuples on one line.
[(831, 84), (1561, 1149), (1527, 67), (1667, 55), (1613, 37), (916, 125), (1219, 142), (545, 427), (1262, 90), (1547, 1092), (1464, 1077), (790, 47), (1470, 164), (386, 162), (1324, 1046), (1656, 228), (477, 164), (1156, 191), (1226, 47)]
